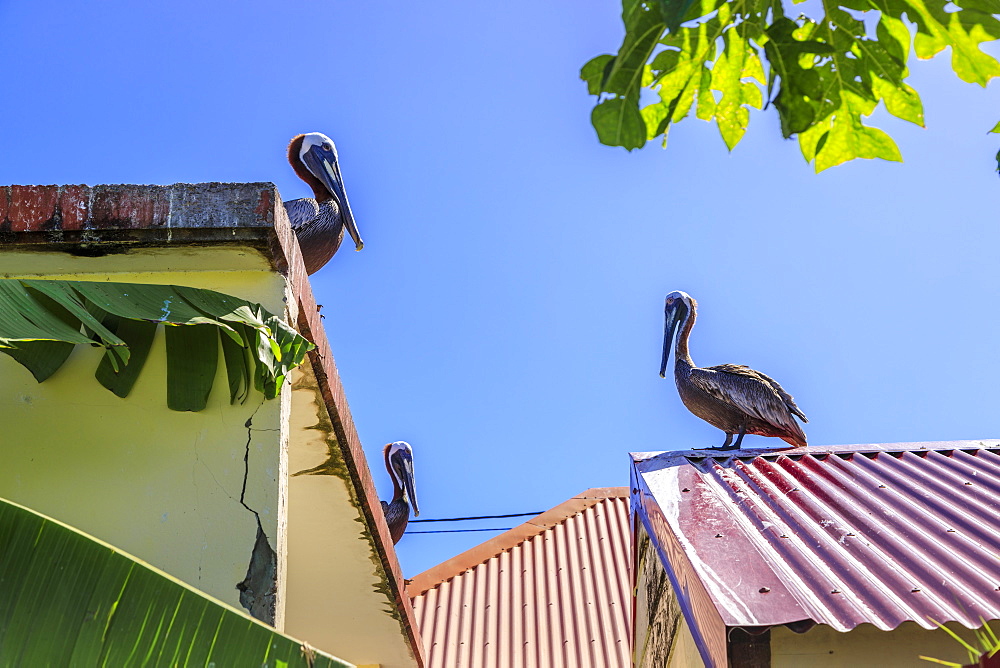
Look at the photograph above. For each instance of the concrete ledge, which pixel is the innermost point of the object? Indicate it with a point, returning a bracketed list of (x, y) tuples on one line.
[(77, 215)]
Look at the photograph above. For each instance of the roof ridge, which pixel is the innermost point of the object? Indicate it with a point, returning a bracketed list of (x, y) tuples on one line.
[(682, 456), (480, 554)]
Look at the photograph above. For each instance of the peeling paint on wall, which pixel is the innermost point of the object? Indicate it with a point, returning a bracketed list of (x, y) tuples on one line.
[(259, 589)]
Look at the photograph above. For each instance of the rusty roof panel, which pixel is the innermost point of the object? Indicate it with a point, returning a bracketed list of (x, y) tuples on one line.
[(846, 535), (551, 592)]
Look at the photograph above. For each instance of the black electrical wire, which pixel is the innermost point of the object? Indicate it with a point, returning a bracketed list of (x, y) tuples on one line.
[(458, 530), (480, 517)]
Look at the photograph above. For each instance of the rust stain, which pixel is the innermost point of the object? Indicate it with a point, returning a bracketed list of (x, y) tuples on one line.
[(4, 203), (264, 206), (73, 206), (130, 207), (31, 207)]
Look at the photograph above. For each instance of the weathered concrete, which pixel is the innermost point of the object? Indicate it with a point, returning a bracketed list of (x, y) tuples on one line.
[(111, 218)]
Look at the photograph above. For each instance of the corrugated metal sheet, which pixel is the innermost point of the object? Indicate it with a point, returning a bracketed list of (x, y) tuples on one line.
[(845, 535), (553, 592)]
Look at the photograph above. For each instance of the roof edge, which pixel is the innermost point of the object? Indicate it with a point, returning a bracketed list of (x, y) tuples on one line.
[(287, 256), (483, 552), (667, 455)]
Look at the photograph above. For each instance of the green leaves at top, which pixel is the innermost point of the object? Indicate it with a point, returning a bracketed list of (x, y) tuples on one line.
[(617, 118), (825, 75), (41, 321)]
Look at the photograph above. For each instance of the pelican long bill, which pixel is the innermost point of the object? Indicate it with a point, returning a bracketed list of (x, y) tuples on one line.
[(324, 164), (669, 327), (404, 468)]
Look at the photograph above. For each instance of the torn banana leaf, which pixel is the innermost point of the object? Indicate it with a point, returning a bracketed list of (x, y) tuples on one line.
[(42, 320)]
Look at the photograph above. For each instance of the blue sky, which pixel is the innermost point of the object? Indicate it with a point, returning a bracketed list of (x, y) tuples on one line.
[(505, 316)]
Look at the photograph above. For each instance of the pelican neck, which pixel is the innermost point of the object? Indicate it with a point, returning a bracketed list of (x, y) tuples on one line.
[(681, 352)]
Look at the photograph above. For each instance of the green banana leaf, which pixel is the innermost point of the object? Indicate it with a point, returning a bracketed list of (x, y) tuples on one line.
[(69, 599), (42, 320)]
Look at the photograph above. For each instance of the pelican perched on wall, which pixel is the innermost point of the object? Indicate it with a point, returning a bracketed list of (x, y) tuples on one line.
[(399, 463), (732, 397), (319, 223)]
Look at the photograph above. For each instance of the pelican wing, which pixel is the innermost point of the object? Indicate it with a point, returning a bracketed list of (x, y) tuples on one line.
[(301, 212), (750, 391), (785, 396)]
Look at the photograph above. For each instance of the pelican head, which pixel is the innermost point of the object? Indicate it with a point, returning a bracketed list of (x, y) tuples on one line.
[(313, 156), (399, 461), (676, 308)]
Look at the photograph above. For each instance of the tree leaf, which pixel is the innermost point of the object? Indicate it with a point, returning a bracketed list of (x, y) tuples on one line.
[(674, 11), (802, 100), (619, 123), (682, 76), (848, 138), (737, 62), (963, 31), (593, 72), (825, 73)]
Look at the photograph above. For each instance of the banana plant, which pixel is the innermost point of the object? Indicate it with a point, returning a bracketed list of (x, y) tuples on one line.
[(70, 599), (41, 321)]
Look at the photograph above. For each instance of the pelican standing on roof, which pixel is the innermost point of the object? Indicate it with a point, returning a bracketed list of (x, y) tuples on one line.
[(399, 463), (319, 223), (732, 397)]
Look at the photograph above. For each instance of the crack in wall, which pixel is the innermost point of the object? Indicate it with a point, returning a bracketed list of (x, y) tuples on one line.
[(259, 589)]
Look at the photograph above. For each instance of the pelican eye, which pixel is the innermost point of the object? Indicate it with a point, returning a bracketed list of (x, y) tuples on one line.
[(328, 147)]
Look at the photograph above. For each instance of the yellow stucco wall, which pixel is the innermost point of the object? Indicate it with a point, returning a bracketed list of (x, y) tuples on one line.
[(824, 647), (684, 652), (337, 594), (162, 485), (165, 486)]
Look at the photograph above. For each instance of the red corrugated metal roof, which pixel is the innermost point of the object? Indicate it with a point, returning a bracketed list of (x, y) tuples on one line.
[(553, 592), (843, 535)]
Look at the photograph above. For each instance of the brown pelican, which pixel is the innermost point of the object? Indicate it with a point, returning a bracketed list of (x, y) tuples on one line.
[(399, 463), (732, 397), (319, 223)]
